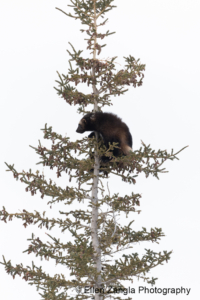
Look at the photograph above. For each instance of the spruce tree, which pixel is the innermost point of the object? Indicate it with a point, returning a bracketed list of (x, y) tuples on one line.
[(96, 230)]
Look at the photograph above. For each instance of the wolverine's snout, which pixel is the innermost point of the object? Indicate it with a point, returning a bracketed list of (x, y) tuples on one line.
[(80, 129)]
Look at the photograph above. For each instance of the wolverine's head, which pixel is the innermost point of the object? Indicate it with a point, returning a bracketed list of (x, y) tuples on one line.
[(86, 123)]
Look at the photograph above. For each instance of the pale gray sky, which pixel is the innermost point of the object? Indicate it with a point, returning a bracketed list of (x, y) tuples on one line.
[(164, 112)]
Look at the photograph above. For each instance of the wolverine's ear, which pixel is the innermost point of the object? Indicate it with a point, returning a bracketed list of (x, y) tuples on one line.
[(92, 117), (84, 120)]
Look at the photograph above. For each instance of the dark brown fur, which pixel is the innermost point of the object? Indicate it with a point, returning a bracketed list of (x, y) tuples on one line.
[(111, 128)]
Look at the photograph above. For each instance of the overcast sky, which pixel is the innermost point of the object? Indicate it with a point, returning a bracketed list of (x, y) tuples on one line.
[(164, 112)]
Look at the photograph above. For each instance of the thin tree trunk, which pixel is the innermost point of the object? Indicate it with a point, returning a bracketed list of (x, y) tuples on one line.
[(94, 228)]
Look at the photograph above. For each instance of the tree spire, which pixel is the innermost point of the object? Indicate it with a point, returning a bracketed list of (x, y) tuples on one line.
[(96, 233)]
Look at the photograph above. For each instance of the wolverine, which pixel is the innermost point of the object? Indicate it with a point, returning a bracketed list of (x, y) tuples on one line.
[(111, 129)]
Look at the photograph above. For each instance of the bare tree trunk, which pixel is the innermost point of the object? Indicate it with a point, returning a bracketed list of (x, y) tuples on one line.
[(94, 228)]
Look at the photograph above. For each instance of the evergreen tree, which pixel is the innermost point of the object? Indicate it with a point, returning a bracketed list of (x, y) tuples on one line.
[(97, 235)]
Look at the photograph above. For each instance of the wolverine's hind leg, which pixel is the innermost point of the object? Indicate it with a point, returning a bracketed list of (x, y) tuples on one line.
[(126, 149)]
